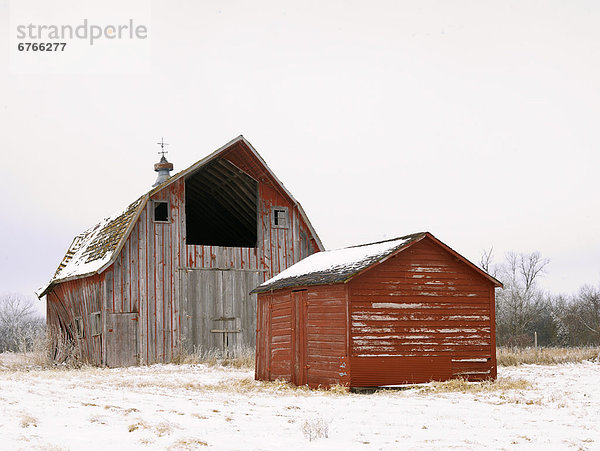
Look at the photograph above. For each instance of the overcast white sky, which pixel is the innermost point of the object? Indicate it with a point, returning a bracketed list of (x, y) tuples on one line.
[(474, 120)]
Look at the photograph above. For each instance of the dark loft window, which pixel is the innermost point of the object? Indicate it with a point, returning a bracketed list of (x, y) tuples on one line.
[(221, 206), (161, 211), (96, 323), (78, 327), (279, 217)]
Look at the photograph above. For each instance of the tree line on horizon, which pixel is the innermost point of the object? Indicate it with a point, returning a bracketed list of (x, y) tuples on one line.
[(523, 309)]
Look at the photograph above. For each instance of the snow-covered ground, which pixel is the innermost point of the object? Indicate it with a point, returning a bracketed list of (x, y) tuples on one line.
[(193, 406)]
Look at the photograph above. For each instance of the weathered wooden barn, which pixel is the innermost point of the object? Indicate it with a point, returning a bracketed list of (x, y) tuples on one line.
[(407, 310), (175, 268)]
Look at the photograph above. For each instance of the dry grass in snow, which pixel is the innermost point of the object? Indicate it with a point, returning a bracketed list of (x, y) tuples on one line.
[(197, 406), (463, 386), (546, 356), (242, 358)]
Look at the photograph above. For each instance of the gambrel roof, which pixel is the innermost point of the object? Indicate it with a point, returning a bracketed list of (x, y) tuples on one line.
[(94, 250), (342, 265)]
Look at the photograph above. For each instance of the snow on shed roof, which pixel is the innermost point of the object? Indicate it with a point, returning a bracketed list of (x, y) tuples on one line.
[(336, 265), (341, 265)]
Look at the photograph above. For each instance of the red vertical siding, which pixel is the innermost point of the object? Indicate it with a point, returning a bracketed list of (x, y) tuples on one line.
[(263, 337), (144, 278), (299, 337)]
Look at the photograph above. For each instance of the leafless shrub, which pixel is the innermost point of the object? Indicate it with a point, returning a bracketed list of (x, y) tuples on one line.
[(314, 428), (48, 351), (20, 323)]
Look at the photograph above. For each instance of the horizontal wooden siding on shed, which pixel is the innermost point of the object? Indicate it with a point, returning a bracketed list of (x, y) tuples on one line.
[(421, 304), (325, 348), (326, 335), (280, 337)]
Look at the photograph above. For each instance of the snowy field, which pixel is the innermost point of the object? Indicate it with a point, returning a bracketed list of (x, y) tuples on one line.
[(196, 406)]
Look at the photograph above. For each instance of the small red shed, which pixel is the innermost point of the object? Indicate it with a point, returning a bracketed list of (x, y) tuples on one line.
[(406, 310)]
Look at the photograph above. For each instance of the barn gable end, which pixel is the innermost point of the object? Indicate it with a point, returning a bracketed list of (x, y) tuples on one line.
[(164, 292)]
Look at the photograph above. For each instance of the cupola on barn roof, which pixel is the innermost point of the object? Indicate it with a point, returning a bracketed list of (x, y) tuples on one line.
[(163, 167)]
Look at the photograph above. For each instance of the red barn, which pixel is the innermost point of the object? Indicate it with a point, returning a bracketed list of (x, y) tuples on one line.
[(407, 310), (175, 268)]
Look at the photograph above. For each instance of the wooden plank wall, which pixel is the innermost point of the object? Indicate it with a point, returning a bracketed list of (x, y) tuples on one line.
[(121, 339), (263, 337), (210, 294), (78, 298), (422, 303), (144, 279)]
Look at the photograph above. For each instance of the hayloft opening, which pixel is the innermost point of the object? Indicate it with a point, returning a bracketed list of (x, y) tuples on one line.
[(221, 206)]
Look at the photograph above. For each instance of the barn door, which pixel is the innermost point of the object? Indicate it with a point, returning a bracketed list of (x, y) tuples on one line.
[(263, 339), (121, 339), (299, 368), (219, 314)]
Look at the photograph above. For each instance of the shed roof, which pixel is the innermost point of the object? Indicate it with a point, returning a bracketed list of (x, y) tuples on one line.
[(341, 265), (95, 249)]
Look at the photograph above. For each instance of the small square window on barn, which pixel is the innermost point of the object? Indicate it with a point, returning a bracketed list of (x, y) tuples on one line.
[(96, 323), (279, 217), (160, 211), (78, 326)]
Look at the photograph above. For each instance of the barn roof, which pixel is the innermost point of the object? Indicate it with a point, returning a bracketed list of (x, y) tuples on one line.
[(341, 265), (94, 250)]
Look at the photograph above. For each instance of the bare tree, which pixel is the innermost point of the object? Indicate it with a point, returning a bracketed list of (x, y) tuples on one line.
[(20, 323), (521, 301), (578, 318), (486, 260)]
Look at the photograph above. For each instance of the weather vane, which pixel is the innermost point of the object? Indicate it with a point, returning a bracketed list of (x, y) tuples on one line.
[(162, 145)]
